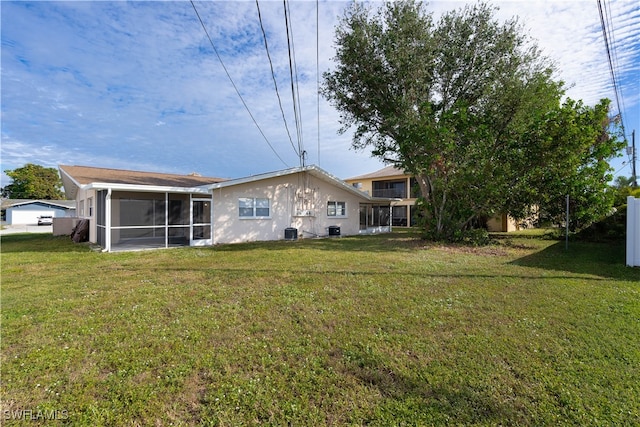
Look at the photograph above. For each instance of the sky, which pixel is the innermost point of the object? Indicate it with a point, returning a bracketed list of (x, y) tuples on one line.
[(137, 85)]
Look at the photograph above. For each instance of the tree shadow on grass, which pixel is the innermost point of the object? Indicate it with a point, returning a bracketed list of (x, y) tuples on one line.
[(605, 260)]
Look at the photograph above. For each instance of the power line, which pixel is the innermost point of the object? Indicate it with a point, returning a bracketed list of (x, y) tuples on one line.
[(234, 85), (605, 35), (614, 44), (318, 74), (296, 100), (624, 166), (275, 83)]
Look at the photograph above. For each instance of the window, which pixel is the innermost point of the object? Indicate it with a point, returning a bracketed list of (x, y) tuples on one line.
[(90, 206), (336, 209), (254, 207), (399, 217), (396, 189), (81, 208)]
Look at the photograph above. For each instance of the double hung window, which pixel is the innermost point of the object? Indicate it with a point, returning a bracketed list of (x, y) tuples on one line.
[(336, 209), (254, 207)]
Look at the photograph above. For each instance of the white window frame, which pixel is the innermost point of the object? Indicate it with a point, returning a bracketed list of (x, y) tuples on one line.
[(81, 208), (90, 206), (256, 205), (333, 209)]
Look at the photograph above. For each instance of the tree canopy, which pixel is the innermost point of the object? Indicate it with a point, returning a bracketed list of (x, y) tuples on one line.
[(33, 182), (463, 104)]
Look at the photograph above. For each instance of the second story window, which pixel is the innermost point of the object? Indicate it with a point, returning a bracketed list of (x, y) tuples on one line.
[(397, 189)]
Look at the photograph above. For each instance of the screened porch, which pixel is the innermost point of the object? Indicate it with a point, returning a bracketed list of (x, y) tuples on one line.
[(375, 218), (138, 220)]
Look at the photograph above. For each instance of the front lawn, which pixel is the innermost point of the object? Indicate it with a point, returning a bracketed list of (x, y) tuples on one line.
[(378, 330)]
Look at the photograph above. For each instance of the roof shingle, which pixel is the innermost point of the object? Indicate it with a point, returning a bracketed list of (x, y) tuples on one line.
[(84, 175), (382, 173)]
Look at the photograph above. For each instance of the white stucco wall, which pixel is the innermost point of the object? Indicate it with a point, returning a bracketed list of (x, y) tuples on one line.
[(286, 194), (82, 211)]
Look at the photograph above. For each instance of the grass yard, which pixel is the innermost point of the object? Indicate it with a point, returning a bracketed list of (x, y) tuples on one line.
[(377, 330)]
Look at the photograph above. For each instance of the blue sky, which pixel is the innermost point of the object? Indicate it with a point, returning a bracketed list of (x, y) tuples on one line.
[(136, 85)]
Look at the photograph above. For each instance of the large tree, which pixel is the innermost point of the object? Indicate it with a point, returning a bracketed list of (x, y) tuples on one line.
[(449, 102), (33, 182), (564, 153)]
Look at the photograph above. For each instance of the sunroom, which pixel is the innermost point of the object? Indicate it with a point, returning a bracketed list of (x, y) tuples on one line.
[(135, 220), (375, 218)]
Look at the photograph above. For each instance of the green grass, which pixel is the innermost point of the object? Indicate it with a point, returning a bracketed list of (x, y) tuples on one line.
[(378, 330)]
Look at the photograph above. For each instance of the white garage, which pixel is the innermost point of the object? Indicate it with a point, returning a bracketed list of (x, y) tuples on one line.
[(27, 211)]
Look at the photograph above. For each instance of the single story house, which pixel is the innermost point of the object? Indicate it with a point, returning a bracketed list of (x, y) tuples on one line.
[(131, 210), (27, 212)]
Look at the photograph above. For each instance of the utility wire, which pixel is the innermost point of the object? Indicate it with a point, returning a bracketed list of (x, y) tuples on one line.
[(624, 166), (614, 44), (234, 85), (296, 108), (318, 74), (611, 68), (295, 70), (275, 83), (610, 45)]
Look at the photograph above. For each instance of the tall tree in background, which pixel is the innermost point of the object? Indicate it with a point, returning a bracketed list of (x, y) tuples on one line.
[(623, 188), (563, 153), (448, 102), (33, 182)]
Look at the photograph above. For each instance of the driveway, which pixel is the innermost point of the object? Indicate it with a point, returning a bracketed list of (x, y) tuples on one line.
[(25, 228)]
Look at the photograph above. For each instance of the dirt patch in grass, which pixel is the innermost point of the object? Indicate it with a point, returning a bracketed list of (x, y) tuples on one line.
[(474, 250)]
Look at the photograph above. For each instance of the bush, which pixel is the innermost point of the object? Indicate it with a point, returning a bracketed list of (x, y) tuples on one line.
[(475, 237), (611, 228)]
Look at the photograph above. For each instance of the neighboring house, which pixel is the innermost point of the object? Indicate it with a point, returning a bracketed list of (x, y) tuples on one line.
[(393, 182), (130, 210), (23, 211), (505, 223)]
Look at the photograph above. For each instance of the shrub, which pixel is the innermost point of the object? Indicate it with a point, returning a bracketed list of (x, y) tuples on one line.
[(611, 228)]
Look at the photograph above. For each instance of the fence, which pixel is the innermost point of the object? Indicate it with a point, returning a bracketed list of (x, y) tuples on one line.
[(633, 232)]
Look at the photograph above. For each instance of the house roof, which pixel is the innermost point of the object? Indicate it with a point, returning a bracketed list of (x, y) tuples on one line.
[(64, 204), (85, 175), (312, 169), (386, 172), (74, 177)]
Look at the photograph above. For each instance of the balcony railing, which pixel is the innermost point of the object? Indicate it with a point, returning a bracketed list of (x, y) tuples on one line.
[(395, 193)]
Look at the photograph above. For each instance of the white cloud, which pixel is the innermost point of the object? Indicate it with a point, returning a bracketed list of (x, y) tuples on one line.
[(137, 84)]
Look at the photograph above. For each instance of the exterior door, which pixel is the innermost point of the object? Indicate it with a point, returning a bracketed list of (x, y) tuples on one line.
[(364, 223), (201, 222)]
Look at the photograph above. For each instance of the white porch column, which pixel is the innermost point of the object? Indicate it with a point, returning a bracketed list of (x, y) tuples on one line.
[(107, 221)]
